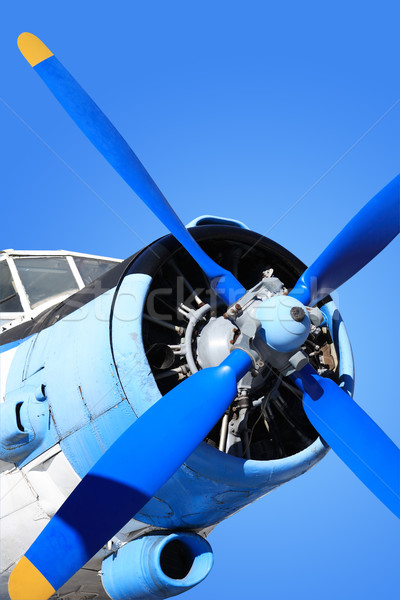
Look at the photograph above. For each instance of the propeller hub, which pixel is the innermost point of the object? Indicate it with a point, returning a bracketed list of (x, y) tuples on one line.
[(285, 323)]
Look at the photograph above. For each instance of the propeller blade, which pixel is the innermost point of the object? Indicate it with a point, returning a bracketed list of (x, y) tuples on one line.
[(363, 238), (124, 479), (109, 142), (353, 435)]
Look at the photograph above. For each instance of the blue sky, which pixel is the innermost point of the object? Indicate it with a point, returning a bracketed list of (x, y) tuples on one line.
[(236, 109)]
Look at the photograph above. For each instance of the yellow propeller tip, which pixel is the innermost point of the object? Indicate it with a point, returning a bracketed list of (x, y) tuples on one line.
[(33, 49), (27, 583)]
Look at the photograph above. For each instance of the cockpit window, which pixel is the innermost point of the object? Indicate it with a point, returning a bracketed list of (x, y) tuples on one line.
[(9, 298), (45, 277), (91, 268)]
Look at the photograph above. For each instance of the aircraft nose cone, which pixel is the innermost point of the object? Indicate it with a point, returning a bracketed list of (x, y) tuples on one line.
[(285, 322)]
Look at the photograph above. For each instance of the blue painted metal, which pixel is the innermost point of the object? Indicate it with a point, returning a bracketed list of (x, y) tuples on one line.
[(279, 330), (212, 485), (130, 360), (116, 488), (108, 141), (325, 402), (108, 386), (363, 238), (353, 435), (19, 437), (214, 220), (105, 389), (341, 341), (81, 396), (23, 382), (134, 572), (84, 446), (10, 345)]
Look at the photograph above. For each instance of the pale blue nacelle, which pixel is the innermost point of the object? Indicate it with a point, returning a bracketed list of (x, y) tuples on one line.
[(95, 379), (108, 385)]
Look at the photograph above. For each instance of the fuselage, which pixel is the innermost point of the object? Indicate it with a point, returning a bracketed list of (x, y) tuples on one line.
[(77, 374)]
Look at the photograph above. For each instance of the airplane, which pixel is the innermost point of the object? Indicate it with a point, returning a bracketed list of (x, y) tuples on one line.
[(171, 391)]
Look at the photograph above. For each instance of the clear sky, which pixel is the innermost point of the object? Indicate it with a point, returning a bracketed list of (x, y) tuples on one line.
[(241, 110)]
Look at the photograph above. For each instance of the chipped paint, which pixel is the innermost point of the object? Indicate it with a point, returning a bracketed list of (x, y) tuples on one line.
[(107, 386)]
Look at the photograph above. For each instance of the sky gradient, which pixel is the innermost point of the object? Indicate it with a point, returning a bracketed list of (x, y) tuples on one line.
[(284, 116)]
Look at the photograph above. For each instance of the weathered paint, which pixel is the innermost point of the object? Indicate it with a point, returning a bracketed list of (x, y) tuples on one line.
[(135, 571), (108, 385)]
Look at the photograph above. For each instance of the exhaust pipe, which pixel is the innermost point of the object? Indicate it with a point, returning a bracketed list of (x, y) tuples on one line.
[(157, 566)]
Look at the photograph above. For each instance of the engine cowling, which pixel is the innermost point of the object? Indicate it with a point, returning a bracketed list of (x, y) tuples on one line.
[(151, 306), (126, 343)]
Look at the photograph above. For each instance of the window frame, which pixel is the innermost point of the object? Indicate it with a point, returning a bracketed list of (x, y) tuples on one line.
[(26, 307), (14, 318)]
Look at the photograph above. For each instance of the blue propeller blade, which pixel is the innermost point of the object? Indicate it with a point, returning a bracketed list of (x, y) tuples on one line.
[(136, 466), (353, 435), (363, 238), (109, 142), (126, 477)]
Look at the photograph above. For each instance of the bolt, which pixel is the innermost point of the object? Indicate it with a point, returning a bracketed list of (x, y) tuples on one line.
[(297, 313)]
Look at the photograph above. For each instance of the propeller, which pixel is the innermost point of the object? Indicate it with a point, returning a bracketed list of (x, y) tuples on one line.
[(352, 435), (132, 470), (109, 142), (125, 478), (363, 238)]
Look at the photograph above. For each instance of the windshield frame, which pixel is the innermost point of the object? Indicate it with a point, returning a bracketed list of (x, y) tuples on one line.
[(26, 307), (12, 318), (46, 280)]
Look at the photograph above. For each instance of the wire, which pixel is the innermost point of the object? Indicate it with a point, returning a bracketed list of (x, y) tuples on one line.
[(262, 412)]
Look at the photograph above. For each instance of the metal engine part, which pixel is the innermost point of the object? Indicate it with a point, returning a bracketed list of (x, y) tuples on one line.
[(157, 566), (266, 420)]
